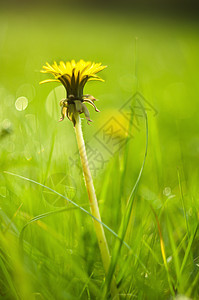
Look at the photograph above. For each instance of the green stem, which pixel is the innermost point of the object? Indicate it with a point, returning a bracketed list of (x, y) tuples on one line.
[(105, 255)]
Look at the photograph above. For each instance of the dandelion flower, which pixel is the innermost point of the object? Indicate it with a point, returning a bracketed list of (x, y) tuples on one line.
[(74, 75)]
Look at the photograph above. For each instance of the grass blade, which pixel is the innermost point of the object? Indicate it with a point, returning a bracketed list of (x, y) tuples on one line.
[(73, 203), (126, 217)]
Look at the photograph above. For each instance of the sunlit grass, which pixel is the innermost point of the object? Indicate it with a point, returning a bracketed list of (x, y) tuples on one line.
[(60, 258)]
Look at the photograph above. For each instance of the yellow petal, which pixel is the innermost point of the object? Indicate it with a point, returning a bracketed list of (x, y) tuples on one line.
[(96, 78), (49, 80)]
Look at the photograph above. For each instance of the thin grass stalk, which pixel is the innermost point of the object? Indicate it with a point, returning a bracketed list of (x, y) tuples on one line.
[(162, 247), (126, 217), (102, 242)]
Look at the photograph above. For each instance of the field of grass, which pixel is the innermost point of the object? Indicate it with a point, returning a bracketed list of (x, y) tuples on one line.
[(152, 63)]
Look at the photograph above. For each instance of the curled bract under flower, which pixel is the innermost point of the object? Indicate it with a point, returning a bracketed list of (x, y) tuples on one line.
[(74, 75)]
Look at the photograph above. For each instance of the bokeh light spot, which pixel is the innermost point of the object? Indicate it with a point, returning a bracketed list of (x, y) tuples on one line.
[(21, 103), (167, 191), (6, 124)]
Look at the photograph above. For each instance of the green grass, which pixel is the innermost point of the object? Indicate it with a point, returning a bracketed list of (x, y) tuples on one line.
[(60, 258)]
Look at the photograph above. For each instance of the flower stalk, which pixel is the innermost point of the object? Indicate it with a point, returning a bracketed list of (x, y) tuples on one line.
[(102, 242)]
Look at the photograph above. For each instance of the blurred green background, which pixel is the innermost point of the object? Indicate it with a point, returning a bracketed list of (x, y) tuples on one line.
[(155, 54)]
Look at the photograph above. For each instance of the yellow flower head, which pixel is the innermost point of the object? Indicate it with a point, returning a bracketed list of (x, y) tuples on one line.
[(74, 75)]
